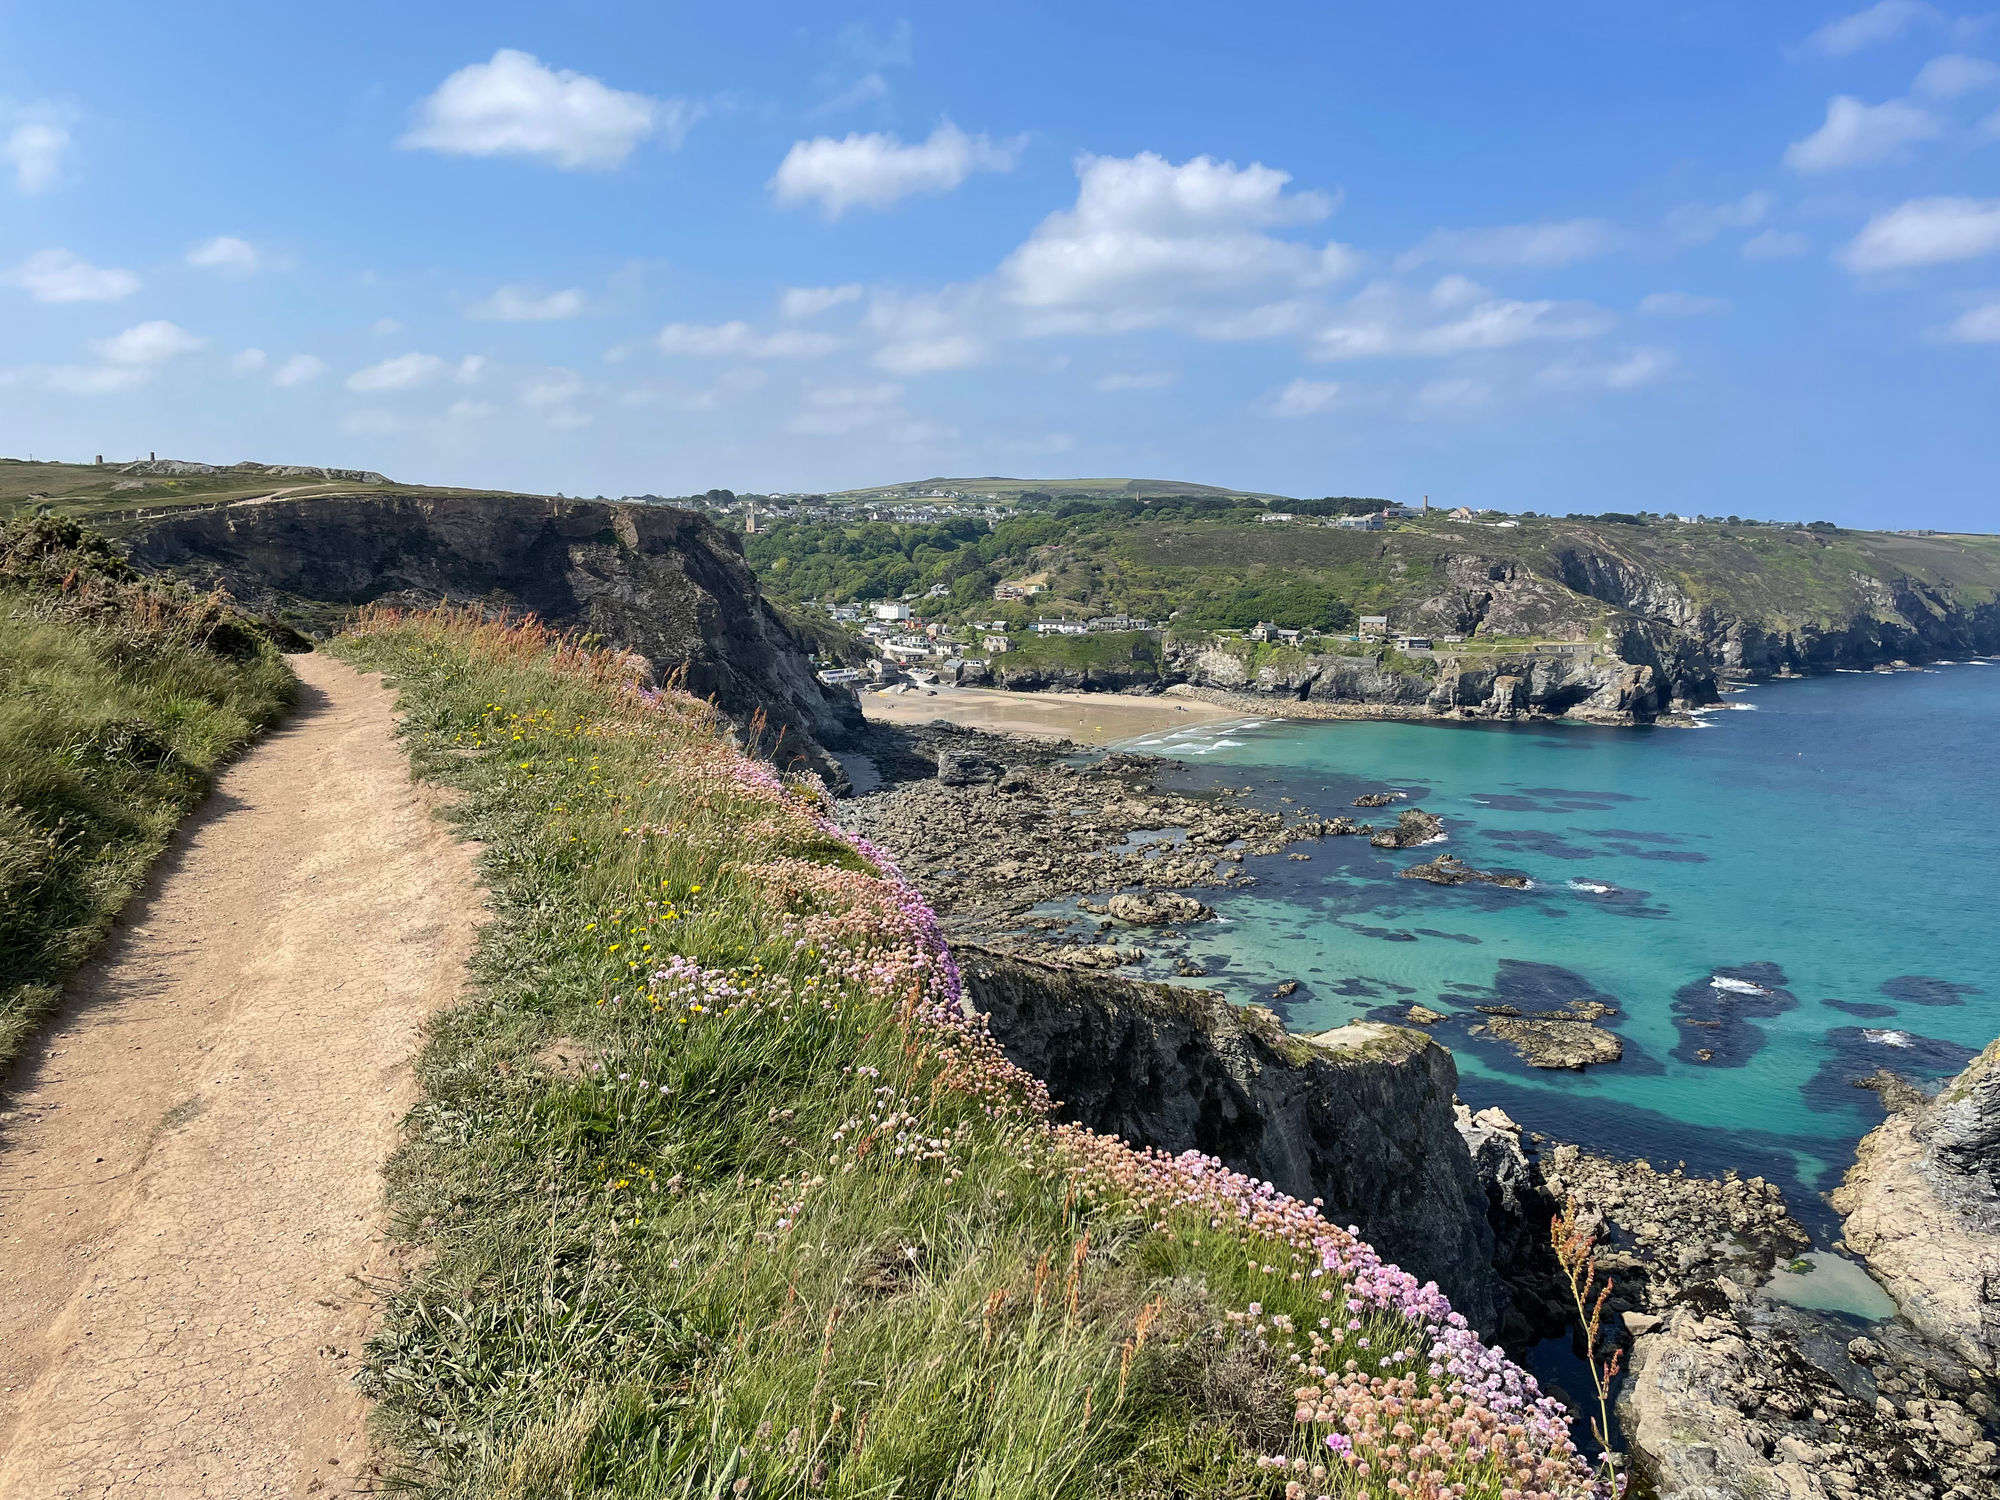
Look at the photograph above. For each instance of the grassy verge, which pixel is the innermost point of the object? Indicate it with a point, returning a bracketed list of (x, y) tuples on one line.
[(119, 698), (718, 1195)]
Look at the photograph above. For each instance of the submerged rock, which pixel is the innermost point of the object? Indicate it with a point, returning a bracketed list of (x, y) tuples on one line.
[(1447, 869)]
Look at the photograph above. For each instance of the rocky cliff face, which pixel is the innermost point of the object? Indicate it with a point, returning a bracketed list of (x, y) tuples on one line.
[(1618, 688), (661, 582), (1922, 1206), (1360, 1117)]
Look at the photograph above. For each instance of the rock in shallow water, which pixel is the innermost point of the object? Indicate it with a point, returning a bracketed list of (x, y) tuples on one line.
[(1447, 869), (1156, 908)]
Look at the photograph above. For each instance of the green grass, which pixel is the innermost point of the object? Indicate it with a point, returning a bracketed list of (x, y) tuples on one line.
[(780, 1227), (119, 700)]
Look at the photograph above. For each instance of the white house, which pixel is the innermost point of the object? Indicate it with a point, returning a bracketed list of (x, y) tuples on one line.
[(889, 609)]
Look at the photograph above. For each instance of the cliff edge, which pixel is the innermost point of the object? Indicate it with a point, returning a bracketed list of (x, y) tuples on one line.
[(661, 582), (1922, 1207), (1359, 1118)]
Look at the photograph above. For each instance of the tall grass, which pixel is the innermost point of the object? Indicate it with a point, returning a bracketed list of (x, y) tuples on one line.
[(718, 1194), (119, 699)]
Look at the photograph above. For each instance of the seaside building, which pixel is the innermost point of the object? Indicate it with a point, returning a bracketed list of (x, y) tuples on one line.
[(1375, 625), (995, 644), (889, 609)]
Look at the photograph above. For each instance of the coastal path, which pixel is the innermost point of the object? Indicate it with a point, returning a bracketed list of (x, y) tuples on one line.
[(191, 1195)]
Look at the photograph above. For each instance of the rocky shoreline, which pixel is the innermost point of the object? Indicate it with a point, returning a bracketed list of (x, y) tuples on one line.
[(1005, 824), (1731, 1391), (1731, 1388)]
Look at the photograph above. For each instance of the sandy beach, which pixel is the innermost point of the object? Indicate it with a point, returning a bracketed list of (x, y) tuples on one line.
[(1088, 718)]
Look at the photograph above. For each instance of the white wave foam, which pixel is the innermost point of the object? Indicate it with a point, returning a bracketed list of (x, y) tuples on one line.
[(1595, 887), (1736, 986), (1890, 1038)]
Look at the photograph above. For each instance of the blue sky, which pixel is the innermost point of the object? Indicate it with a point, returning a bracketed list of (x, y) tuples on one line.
[(1720, 257)]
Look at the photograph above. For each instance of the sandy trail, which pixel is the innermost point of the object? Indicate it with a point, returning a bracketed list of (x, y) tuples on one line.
[(190, 1159)]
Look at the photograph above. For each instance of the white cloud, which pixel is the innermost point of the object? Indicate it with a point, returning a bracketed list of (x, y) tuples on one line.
[(1270, 321), (224, 253), (1926, 232), (517, 304), (1383, 321), (300, 369), (58, 276), (1306, 398), (1861, 135), (855, 395), (1775, 244), (557, 387), (514, 106), (151, 343), (1953, 74), (1979, 325), (1150, 242), (78, 380), (1457, 291), (740, 340), (929, 356), (382, 328), (1682, 305), (1138, 380), (1698, 223), (1580, 373), (247, 362), (35, 152), (811, 301), (1882, 22), (877, 170), (1538, 245), (409, 371)]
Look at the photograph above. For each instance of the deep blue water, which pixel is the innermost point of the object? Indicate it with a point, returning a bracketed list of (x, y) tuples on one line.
[(1828, 850)]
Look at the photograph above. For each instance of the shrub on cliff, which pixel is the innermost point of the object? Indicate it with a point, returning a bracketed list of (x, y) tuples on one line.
[(720, 1194), (119, 698)]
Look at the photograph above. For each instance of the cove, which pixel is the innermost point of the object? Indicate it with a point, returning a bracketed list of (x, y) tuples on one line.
[(1778, 903)]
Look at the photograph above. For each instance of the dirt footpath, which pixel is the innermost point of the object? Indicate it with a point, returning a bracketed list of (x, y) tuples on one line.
[(190, 1161)]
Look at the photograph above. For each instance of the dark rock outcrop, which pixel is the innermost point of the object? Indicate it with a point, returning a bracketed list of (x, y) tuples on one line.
[(661, 582), (1448, 869), (1414, 826), (1359, 1117)]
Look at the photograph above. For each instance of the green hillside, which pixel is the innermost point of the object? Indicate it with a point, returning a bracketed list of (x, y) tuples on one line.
[(1214, 560)]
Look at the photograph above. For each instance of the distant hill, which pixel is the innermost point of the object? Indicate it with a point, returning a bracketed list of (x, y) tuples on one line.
[(1011, 491), (124, 490)]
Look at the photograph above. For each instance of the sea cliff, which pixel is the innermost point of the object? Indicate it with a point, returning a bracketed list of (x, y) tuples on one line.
[(1358, 1119), (663, 583)]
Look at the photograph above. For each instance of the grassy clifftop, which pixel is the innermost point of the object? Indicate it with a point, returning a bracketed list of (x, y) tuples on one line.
[(719, 1195)]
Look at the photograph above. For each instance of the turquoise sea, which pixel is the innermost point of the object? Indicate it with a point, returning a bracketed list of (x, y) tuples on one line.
[(1811, 877)]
